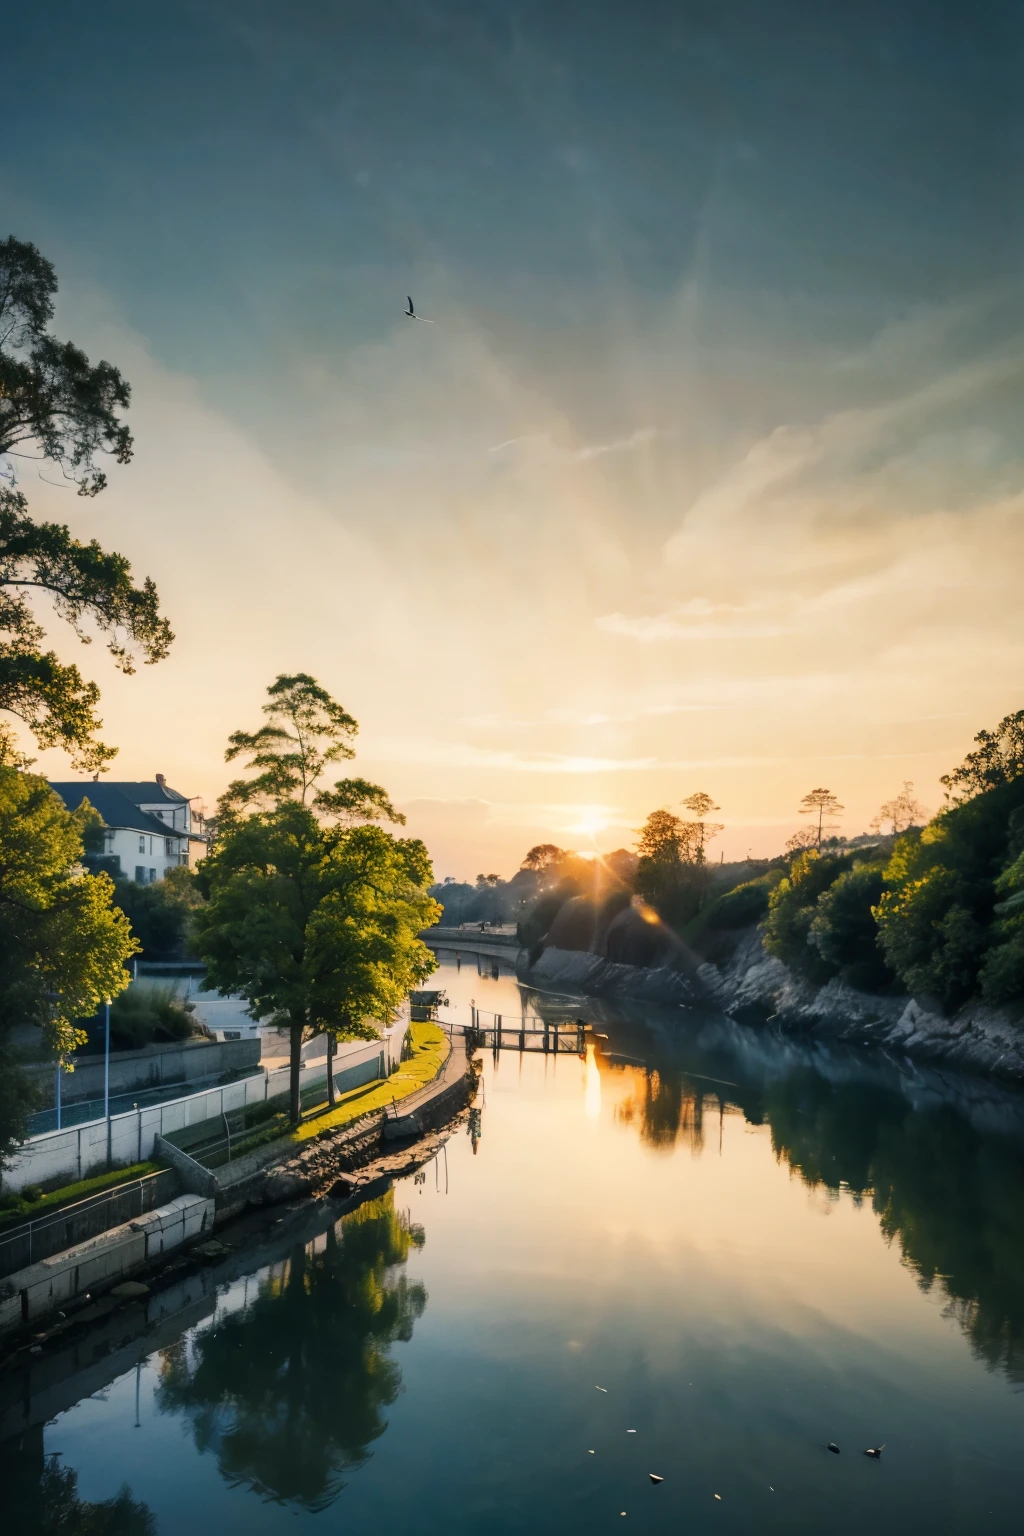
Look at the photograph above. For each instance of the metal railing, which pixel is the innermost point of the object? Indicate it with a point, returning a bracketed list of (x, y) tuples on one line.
[(43, 1236)]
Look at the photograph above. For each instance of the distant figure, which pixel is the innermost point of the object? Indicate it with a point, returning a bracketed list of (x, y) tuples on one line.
[(410, 313)]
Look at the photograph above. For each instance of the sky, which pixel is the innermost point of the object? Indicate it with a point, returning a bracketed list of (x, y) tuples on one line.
[(708, 473)]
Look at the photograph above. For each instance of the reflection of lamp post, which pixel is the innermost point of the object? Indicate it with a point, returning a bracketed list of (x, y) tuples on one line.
[(58, 1093), (106, 1072)]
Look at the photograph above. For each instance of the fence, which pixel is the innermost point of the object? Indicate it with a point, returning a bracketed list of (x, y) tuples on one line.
[(50, 1234), (67, 1155)]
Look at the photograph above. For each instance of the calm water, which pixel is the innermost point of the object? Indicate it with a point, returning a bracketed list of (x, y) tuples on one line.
[(755, 1247)]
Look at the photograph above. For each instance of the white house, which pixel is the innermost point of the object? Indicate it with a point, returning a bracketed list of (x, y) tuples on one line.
[(148, 828)]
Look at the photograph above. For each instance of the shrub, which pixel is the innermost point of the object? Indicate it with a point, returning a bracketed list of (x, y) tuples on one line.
[(792, 909), (741, 907)]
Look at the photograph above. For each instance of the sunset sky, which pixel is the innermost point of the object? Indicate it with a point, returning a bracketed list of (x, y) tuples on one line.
[(709, 473)]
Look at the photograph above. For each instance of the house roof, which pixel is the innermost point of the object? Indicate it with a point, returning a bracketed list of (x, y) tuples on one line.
[(116, 808), (151, 792)]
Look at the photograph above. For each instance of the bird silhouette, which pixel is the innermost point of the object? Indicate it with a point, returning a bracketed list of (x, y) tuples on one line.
[(875, 1450), (410, 313)]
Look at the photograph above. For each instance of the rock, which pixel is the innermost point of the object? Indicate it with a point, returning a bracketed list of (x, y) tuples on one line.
[(211, 1249), (130, 1290)]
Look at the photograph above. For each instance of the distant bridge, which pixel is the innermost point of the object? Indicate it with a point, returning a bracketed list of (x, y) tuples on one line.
[(474, 941)]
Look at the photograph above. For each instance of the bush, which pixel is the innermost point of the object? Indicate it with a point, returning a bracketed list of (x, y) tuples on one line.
[(844, 929), (741, 907), (146, 1015), (792, 908)]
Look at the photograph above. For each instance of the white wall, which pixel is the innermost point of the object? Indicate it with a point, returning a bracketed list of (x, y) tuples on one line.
[(146, 851), (81, 1150)]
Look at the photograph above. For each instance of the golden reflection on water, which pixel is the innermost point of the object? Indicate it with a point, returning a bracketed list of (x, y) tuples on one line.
[(592, 1086)]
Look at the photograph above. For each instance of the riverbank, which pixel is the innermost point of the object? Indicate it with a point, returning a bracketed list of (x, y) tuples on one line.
[(754, 988), (333, 1147)]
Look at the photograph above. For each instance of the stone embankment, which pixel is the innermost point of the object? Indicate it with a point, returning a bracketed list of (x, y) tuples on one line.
[(755, 988)]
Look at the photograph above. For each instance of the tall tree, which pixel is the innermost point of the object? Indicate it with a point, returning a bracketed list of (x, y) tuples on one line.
[(902, 811), (313, 912), (84, 584), (51, 397), (819, 804), (64, 944), (700, 805)]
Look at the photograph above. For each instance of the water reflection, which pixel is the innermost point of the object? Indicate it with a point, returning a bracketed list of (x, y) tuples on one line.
[(950, 1195), (40, 1495), (288, 1392)]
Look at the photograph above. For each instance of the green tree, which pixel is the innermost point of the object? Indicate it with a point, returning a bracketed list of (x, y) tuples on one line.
[(64, 943), (51, 396), (54, 401), (997, 759), (844, 931), (1002, 974), (312, 913), (792, 907)]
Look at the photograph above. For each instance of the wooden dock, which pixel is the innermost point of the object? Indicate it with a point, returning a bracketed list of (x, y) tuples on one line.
[(494, 1032)]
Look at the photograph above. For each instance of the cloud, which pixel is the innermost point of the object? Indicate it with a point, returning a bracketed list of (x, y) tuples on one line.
[(618, 445), (669, 626)]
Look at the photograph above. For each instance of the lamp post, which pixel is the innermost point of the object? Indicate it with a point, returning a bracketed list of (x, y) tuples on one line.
[(106, 1072), (58, 1093)]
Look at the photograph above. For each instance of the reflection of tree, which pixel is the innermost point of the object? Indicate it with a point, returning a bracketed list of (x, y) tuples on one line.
[(41, 1497), (952, 1198), (288, 1392), (664, 1107)]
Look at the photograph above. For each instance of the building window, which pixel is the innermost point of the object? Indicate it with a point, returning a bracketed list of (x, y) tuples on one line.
[(170, 847), (152, 877), (140, 875), (142, 845)]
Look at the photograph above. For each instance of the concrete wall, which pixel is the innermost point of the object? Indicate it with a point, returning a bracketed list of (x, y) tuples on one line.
[(102, 1261), (148, 1068), (68, 1155)]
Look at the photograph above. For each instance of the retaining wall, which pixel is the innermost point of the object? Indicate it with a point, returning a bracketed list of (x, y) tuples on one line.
[(102, 1262), (173, 1063), (63, 1157)]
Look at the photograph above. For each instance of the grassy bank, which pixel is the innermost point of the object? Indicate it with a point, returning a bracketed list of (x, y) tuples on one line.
[(21, 1206), (429, 1049)]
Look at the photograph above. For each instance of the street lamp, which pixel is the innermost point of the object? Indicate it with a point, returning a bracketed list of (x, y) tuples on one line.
[(106, 1071)]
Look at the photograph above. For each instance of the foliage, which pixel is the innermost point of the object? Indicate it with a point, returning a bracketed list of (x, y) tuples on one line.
[(288, 1393), (84, 582), (161, 913), (997, 759), (742, 906), (667, 875), (50, 394), (64, 943), (18, 1204), (843, 928), (1002, 973), (316, 927), (146, 1015), (306, 731), (792, 909), (41, 1496), (937, 920)]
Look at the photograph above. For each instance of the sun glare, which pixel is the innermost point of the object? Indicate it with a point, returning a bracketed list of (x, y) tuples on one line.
[(590, 821)]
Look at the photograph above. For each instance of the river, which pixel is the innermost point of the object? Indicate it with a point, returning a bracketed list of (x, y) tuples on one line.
[(703, 1252)]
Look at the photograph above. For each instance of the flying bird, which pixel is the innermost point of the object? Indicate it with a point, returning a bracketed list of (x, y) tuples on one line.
[(410, 313)]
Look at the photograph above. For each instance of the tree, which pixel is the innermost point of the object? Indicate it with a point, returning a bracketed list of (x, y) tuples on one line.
[(50, 395), (83, 582), (792, 907), (997, 759), (702, 830), (64, 943), (666, 874), (820, 803), (902, 811), (312, 914), (306, 731)]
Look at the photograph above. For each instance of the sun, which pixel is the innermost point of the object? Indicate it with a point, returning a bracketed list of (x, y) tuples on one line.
[(590, 820)]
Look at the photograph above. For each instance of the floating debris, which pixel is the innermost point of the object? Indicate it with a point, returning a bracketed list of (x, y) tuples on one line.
[(600, 1389), (590, 1453), (875, 1450), (630, 1431), (718, 1496), (833, 1448), (655, 1478)]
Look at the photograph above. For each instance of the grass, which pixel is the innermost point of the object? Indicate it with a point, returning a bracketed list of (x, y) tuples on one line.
[(16, 1207), (429, 1049)]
